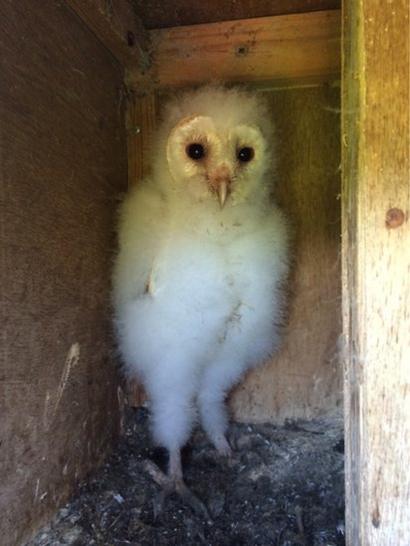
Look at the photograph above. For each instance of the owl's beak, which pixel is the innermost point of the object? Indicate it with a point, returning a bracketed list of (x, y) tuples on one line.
[(222, 191), (220, 182)]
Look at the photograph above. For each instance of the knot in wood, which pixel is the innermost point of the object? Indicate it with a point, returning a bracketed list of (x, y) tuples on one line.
[(242, 50), (130, 38), (394, 218)]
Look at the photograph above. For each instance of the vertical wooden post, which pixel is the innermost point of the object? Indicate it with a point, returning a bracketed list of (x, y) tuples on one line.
[(376, 271), (141, 117)]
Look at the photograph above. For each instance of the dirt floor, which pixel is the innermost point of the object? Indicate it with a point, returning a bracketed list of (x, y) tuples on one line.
[(282, 487)]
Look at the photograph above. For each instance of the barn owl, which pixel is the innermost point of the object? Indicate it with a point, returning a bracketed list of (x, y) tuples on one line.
[(203, 254)]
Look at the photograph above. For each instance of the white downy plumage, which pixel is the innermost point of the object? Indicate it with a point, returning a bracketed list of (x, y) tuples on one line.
[(203, 254)]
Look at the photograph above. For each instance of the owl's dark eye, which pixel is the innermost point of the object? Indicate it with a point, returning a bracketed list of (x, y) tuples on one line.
[(195, 151), (245, 154)]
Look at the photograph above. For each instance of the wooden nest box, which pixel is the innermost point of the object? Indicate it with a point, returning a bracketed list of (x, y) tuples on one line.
[(82, 85)]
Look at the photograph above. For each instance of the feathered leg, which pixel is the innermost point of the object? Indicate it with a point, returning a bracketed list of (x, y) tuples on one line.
[(216, 382), (173, 414)]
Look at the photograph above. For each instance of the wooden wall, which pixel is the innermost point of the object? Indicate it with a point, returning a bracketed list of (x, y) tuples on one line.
[(63, 160)]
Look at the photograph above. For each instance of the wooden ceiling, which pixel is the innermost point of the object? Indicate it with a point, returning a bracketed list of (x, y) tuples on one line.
[(167, 13)]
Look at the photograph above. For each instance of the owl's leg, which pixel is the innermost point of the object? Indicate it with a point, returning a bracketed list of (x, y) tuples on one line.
[(173, 414), (217, 380), (176, 478), (175, 466), (173, 482)]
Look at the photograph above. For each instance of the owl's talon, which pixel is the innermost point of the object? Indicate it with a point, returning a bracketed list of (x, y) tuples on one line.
[(226, 452), (159, 501), (191, 500), (169, 485)]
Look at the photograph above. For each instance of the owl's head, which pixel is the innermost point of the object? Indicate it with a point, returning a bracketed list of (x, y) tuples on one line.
[(219, 145)]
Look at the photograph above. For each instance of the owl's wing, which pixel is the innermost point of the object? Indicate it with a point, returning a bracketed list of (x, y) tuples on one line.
[(141, 227)]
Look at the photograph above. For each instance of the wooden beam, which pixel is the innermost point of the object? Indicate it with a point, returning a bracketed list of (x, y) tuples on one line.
[(303, 47), (376, 271), (119, 29), (162, 13)]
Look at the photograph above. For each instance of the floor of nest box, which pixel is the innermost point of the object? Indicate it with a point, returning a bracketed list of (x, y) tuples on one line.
[(283, 487)]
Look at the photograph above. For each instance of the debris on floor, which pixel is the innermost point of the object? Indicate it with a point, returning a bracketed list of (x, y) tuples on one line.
[(283, 486)]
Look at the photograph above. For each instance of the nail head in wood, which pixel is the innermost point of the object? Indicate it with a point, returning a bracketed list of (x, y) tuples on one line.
[(242, 51), (394, 218), (135, 130)]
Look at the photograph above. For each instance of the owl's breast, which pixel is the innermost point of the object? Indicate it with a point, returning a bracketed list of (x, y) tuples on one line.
[(194, 265)]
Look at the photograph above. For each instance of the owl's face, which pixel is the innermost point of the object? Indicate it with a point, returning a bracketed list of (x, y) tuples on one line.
[(210, 160)]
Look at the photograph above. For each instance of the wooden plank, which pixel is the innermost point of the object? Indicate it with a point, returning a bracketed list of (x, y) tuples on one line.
[(302, 47), (352, 374), (118, 27), (168, 13), (376, 264), (141, 118), (63, 163), (304, 379)]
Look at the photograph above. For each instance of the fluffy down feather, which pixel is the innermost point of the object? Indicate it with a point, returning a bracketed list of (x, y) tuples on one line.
[(198, 288)]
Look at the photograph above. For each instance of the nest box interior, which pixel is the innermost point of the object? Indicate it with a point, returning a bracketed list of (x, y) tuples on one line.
[(83, 85)]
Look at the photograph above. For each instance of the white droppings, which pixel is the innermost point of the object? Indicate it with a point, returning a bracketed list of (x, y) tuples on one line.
[(46, 410), (36, 489), (51, 403), (119, 498)]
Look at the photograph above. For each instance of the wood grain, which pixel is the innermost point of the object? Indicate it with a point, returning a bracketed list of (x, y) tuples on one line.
[(376, 271), (166, 13), (301, 47), (118, 27), (141, 121), (63, 160)]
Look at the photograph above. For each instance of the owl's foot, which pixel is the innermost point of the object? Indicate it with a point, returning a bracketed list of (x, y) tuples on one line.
[(222, 446), (173, 484), (191, 500)]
